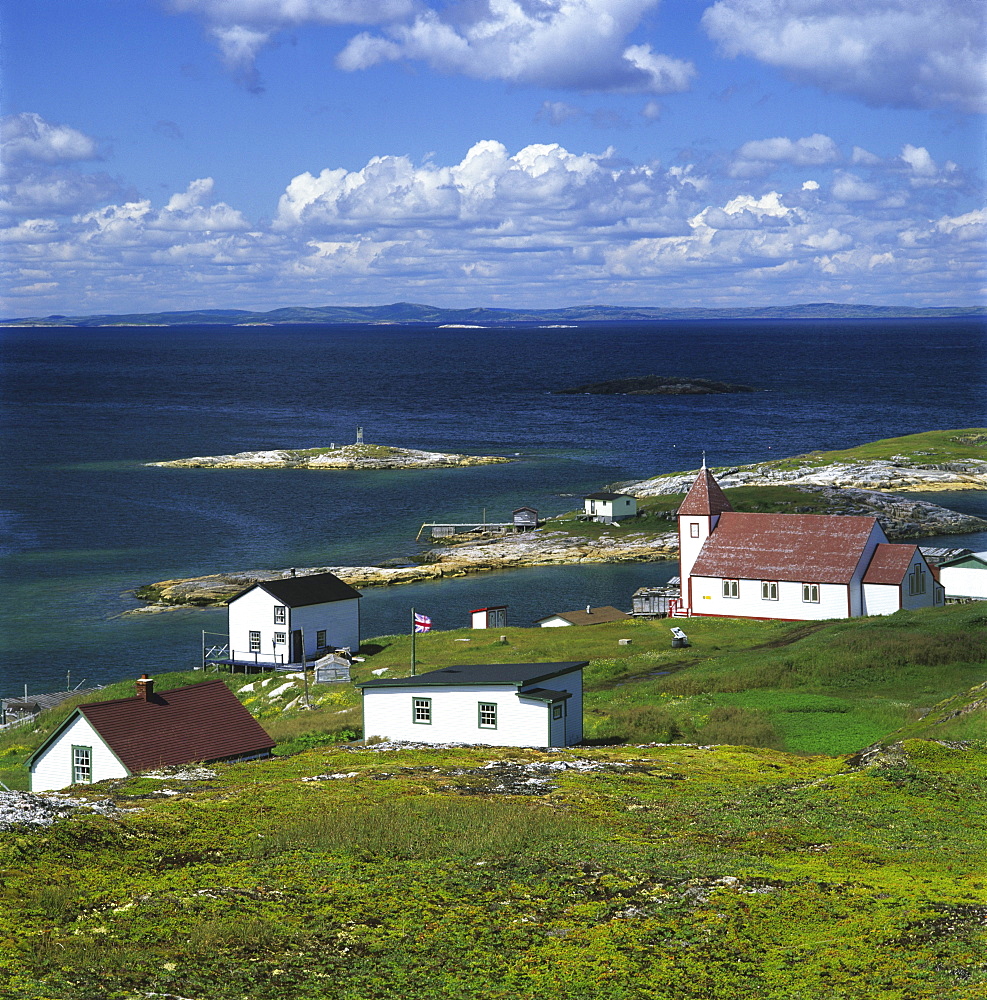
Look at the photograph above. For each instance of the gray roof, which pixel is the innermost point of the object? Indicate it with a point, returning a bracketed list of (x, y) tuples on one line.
[(507, 674), (609, 496)]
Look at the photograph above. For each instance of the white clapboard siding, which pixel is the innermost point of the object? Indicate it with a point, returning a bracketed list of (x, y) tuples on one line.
[(708, 599), (964, 581), (52, 769)]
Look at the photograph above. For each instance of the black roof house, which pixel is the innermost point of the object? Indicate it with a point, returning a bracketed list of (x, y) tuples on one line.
[(302, 591)]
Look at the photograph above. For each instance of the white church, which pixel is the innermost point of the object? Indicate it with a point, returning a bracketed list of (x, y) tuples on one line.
[(793, 566)]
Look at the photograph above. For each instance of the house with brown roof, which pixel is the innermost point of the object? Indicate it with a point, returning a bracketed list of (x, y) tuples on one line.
[(287, 622), (199, 723), (591, 616), (793, 566)]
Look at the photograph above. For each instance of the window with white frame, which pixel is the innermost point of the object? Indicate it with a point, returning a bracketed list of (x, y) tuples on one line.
[(280, 638), (769, 590), (916, 580), (254, 642), (810, 593), (320, 639), (82, 765), (693, 529), (487, 712), (280, 614), (731, 588), (421, 711)]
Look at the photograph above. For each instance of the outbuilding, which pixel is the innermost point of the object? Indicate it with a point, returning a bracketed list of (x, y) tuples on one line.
[(609, 507), (525, 519), (495, 617), (198, 723), (496, 704), (284, 623), (965, 577), (591, 616)]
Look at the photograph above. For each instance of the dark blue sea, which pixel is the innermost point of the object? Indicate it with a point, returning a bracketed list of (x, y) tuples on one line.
[(84, 520)]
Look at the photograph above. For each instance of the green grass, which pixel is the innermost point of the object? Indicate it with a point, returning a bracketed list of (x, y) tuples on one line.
[(673, 871)]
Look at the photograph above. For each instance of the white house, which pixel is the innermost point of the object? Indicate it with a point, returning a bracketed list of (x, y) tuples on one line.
[(269, 620), (198, 723), (591, 616), (498, 704), (965, 577), (793, 566), (609, 507)]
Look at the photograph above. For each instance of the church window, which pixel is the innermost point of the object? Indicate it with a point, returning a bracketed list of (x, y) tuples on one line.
[(916, 581), (810, 593), (769, 590), (693, 529), (731, 588)]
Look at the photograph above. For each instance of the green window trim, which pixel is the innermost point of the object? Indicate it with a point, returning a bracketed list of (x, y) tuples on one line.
[(486, 715), (82, 765), (421, 711), (558, 710)]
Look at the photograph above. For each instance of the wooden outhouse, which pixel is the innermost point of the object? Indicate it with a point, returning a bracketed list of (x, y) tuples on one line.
[(199, 723), (496, 704), (609, 507), (525, 519), (270, 620)]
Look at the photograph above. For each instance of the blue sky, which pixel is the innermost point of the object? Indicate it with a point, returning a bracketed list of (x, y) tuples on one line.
[(177, 154)]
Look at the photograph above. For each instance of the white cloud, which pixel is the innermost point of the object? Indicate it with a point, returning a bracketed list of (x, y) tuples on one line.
[(578, 44), (28, 137), (810, 185), (760, 156), (897, 53), (539, 225), (861, 157), (849, 187)]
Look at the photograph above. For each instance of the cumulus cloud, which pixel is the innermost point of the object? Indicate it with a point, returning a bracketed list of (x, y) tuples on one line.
[(528, 226), (896, 53), (28, 137), (761, 156), (580, 44)]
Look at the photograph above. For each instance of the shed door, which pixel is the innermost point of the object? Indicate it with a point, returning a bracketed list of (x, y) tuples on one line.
[(556, 723), (297, 653)]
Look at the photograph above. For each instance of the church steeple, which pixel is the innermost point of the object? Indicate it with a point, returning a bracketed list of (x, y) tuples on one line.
[(705, 498)]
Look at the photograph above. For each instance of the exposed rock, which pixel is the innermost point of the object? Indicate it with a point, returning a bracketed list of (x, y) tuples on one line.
[(31, 810), (354, 456), (899, 475)]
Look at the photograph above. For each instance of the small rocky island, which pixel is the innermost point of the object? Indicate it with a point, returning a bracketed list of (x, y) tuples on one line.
[(350, 456), (655, 385)]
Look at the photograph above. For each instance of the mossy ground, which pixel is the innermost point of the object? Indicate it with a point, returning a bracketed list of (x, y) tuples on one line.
[(710, 874)]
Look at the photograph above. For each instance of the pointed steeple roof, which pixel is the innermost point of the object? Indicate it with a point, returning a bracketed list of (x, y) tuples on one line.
[(705, 498)]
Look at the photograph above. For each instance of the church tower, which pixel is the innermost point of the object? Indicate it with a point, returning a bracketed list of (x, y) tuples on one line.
[(698, 514)]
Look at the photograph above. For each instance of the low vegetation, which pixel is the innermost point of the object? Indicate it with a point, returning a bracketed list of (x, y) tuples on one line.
[(791, 867)]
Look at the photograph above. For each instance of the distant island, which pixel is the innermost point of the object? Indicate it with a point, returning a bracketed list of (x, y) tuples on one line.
[(412, 313), (349, 456), (655, 385)]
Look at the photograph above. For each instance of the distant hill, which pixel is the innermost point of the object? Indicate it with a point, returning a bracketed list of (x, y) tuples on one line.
[(410, 313)]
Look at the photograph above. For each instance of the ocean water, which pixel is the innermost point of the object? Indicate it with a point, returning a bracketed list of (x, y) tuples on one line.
[(84, 520)]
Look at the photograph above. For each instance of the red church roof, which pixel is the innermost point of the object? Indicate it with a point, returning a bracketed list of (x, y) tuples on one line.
[(889, 564), (821, 548), (197, 723), (705, 496)]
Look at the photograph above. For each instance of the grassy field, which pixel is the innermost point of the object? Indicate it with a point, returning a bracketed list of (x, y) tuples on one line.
[(813, 688), (630, 874)]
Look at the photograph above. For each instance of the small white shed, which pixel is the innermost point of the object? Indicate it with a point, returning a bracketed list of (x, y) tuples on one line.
[(269, 620), (965, 578), (591, 616), (495, 617), (610, 507), (496, 704)]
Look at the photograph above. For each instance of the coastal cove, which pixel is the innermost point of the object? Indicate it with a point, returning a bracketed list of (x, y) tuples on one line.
[(87, 520)]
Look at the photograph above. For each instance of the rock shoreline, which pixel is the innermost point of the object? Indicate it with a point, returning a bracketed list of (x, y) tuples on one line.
[(899, 476), (900, 518), (346, 457)]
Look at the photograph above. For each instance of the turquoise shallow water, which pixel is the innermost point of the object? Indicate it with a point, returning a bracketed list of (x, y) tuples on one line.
[(83, 520)]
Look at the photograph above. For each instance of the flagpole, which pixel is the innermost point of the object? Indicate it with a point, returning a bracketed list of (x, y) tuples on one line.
[(412, 642)]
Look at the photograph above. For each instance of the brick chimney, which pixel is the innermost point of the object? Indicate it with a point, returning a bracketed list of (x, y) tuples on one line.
[(145, 687)]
